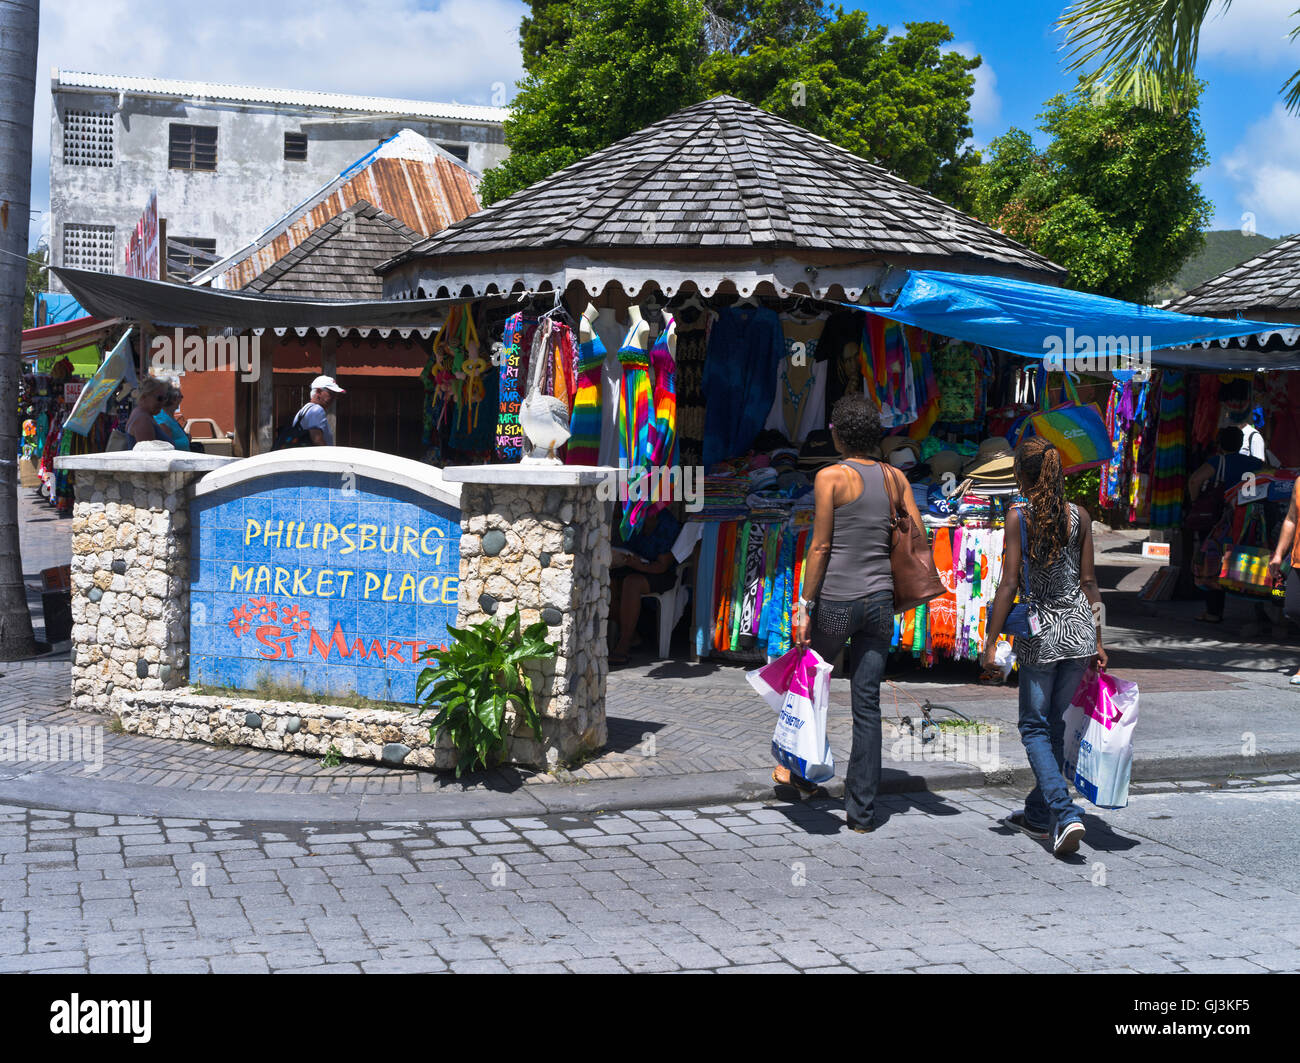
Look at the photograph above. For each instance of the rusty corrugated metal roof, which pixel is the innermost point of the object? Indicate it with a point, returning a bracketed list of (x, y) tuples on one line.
[(417, 183)]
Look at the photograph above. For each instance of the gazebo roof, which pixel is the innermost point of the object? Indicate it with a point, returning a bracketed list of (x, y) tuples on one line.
[(724, 175), (1268, 282)]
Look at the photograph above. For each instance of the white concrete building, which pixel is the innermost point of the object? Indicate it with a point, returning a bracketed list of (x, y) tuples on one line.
[(225, 160)]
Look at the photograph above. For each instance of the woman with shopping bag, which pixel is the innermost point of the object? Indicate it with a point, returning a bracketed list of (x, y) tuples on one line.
[(849, 587), (1048, 545)]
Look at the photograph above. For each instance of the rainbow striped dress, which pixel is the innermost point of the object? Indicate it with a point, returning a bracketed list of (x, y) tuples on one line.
[(584, 421)]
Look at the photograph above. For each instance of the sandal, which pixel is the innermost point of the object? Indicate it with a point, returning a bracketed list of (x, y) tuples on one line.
[(1207, 618), (800, 785), (617, 660)]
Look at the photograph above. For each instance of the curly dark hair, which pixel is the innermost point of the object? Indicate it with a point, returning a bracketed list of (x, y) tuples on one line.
[(857, 423), (1038, 469)]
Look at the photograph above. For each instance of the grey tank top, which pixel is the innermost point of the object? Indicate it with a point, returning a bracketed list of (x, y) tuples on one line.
[(859, 563)]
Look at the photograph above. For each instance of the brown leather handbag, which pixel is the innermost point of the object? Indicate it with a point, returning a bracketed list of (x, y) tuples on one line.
[(916, 580)]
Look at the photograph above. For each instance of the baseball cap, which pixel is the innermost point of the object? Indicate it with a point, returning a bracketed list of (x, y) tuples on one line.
[(327, 383)]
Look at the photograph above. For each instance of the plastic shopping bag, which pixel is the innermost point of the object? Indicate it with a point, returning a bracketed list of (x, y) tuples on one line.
[(1099, 738), (797, 686)]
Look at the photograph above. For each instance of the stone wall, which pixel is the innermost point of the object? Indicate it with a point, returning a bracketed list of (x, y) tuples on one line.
[(130, 584), (545, 549), (381, 735)]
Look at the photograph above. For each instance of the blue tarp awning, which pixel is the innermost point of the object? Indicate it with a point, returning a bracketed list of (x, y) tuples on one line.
[(1036, 319)]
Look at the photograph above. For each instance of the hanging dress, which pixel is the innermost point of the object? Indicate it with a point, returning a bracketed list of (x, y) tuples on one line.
[(635, 414), (585, 422)]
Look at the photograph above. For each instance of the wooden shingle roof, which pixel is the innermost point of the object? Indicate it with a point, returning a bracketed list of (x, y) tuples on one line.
[(1269, 281), (726, 174), (338, 260)]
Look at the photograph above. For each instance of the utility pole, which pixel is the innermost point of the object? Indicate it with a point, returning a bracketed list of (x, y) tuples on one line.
[(19, 27)]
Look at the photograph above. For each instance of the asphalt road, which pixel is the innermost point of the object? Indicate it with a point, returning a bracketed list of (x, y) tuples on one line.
[(1179, 881)]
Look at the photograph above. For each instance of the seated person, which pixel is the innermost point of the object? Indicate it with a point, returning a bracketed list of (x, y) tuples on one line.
[(644, 564)]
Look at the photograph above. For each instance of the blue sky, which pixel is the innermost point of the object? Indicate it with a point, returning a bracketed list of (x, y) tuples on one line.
[(1245, 59), (459, 49)]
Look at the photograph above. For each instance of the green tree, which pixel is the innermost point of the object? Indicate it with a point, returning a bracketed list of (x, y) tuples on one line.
[(900, 101), (615, 67), (1112, 197), (599, 71), (1145, 50)]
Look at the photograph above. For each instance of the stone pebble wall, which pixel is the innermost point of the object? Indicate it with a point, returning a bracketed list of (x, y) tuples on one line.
[(381, 735), (130, 585), (545, 549)]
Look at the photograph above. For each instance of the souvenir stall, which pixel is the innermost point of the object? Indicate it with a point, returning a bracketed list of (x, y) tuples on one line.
[(715, 309), (45, 399)]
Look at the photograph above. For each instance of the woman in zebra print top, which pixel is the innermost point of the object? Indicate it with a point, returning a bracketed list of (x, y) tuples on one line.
[(1062, 592)]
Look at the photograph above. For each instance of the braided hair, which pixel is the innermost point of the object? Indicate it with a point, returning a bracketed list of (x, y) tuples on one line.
[(1038, 470)]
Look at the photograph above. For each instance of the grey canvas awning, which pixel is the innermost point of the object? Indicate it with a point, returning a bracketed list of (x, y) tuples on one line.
[(108, 295)]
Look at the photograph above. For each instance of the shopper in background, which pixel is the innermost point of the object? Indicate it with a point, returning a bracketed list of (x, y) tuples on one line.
[(1288, 544), (168, 427), (848, 590), (1062, 589), (1210, 481), (312, 418), (140, 426)]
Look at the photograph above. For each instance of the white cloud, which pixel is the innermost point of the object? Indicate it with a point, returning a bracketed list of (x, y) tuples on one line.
[(1264, 168), (1255, 31), (985, 103), (445, 50)]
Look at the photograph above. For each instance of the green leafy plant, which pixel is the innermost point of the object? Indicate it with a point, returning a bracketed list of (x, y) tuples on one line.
[(333, 756), (472, 682)]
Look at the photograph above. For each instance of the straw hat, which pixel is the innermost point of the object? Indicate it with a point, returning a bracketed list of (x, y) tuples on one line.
[(993, 462), (946, 461)]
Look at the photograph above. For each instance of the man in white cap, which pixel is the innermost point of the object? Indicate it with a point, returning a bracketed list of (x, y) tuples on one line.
[(312, 417)]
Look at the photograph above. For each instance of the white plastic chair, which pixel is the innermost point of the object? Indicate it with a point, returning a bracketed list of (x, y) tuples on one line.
[(672, 607)]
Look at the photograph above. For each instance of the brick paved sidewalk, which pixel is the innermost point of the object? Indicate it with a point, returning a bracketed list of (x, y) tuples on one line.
[(680, 732)]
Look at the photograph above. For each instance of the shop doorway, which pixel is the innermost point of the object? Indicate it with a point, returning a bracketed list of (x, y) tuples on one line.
[(383, 414)]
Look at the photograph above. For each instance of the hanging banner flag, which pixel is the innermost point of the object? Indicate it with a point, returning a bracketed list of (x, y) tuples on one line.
[(119, 366)]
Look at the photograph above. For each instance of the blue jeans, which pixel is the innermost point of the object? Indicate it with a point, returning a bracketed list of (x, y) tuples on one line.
[(867, 625), (1045, 694)]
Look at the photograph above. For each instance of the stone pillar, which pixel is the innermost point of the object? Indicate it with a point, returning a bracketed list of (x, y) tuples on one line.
[(537, 537), (130, 570)]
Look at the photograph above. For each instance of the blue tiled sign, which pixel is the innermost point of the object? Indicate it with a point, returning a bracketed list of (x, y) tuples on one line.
[(335, 584)]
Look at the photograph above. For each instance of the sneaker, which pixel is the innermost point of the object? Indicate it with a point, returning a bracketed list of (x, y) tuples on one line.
[(1016, 821), (1067, 839)]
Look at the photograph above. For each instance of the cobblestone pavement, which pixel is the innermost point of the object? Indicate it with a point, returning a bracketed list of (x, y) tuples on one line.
[(940, 887), (673, 719)]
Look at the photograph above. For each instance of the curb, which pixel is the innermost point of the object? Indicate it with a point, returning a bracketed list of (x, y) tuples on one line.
[(677, 791)]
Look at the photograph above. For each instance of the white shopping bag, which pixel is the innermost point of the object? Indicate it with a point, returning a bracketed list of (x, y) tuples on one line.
[(797, 686), (1099, 738)]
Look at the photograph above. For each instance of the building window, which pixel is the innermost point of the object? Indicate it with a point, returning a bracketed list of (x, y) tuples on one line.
[(461, 151), (88, 138), (89, 247), (295, 147), (192, 147), (188, 255)]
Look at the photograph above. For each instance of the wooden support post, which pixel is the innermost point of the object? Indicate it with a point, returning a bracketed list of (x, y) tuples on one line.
[(264, 430), (329, 367)]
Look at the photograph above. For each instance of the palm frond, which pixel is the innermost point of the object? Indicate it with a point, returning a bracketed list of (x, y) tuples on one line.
[(1144, 50)]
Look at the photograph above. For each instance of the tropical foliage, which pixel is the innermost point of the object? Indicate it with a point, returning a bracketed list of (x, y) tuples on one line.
[(1145, 50), (473, 682), (1112, 197), (598, 70)]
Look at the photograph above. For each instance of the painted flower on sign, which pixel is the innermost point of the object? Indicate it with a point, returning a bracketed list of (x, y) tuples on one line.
[(240, 622)]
